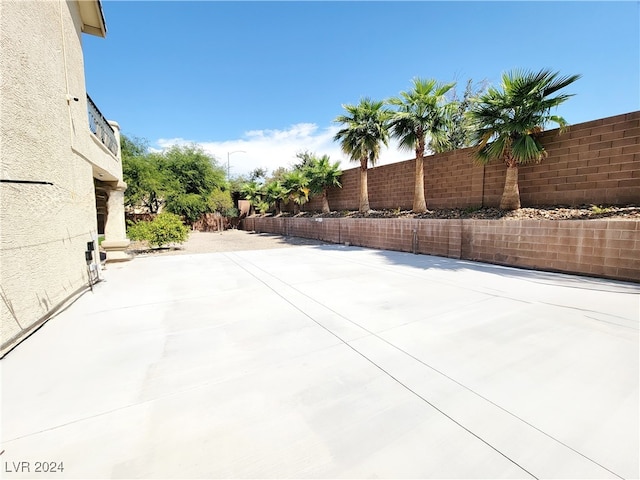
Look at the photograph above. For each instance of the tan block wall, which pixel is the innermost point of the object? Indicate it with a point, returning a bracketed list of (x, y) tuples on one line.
[(596, 162), (602, 248)]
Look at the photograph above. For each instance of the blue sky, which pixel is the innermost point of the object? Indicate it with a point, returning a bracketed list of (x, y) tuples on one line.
[(268, 78)]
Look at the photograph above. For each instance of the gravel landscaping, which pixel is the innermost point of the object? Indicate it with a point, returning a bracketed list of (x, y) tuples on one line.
[(583, 212)]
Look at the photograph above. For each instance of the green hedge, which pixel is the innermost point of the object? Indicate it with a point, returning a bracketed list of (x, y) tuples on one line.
[(164, 229)]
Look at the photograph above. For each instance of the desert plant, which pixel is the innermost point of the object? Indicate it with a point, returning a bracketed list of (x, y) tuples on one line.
[(323, 174), (163, 229), (365, 129), (508, 123), (296, 184), (422, 112), (599, 210), (253, 192), (276, 193), (263, 207)]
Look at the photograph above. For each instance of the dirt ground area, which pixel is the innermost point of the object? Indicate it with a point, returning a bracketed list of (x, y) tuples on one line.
[(227, 241)]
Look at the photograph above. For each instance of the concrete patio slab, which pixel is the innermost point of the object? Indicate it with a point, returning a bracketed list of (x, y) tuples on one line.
[(329, 362)]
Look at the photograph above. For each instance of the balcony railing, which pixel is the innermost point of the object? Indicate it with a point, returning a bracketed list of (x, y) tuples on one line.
[(101, 128)]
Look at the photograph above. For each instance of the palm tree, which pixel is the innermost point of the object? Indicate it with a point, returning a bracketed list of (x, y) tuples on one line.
[(422, 112), (365, 129), (253, 192), (322, 175), (296, 184), (275, 193), (508, 123)]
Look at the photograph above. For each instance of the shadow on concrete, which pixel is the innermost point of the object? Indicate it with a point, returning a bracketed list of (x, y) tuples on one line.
[(426, 262), (288, 240)]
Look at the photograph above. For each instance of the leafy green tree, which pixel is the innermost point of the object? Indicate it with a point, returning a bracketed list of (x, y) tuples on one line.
[(194, 170), (258, 173), (460, 132), (236, 183), (143, 173), (365, 129), (163, 229), (508, 122), (133, 146), (145, 183), (278, 174), (322, 174), (421, 112), (185, 179), (191, 206), (220, 200), (192, 176), (305, 157)]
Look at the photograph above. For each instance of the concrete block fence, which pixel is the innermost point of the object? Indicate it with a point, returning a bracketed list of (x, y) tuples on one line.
[(595, 162), (601, 248)]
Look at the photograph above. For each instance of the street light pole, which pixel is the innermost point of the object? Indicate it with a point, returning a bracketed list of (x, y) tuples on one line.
[(228, 165)]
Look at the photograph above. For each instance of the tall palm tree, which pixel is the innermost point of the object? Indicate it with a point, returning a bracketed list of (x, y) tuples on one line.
[(421, 112), (508, 122), (365, 129), (322, 175)]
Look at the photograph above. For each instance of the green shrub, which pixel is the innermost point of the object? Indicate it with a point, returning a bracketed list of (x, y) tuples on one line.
[(232, 212), (220, 200), (599, 210), (164, 229)]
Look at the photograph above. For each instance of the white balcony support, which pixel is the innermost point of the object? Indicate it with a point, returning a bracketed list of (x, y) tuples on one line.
[(115, 241)]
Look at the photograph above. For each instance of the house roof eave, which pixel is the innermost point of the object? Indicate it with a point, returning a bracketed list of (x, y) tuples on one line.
[(92, 18)]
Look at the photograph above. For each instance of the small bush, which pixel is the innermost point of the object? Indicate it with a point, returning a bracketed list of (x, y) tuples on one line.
[(220, 200), (232, 212), (164, 229), (599, 210)]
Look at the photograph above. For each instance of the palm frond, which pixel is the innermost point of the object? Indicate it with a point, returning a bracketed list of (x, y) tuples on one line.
[(508, 121), (421, 112), (365, 129)]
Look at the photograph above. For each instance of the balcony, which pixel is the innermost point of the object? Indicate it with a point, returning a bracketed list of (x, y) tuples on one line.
[(101, 128)]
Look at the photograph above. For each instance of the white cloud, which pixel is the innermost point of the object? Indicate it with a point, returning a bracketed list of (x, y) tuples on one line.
[(272, 148)]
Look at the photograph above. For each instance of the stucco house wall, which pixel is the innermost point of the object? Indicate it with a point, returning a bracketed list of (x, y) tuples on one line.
[(48, 162)]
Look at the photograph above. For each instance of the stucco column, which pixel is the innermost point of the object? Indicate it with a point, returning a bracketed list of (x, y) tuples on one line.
[(116, 130), (115, 231), (115, 241)]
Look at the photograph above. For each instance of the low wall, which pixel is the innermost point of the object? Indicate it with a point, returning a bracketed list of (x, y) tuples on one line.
[(602, 248)]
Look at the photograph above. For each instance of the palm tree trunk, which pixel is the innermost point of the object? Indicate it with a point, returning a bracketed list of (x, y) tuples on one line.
[(419, 202), (325, 202), (511, 195), (364, 192)]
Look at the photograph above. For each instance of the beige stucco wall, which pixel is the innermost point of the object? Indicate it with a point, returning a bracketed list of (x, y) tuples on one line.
[(44, 136)]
